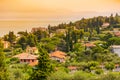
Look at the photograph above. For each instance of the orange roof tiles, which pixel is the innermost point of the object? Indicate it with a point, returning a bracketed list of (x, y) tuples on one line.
[(117, 33), (90, 45), (58, 54), (26, 56), (72, 67)]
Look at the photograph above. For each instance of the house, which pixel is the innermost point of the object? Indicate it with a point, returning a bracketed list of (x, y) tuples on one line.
[(6, 44), (39, 28), (61, 31), (117, 34), (89, 45), (32, 50), (105, 25), (72, 68), (27, 58), (116, 49), (58, 56), (117, 68)]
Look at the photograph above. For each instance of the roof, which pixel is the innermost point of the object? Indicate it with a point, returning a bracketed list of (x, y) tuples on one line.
[(58, 54), (72, 67), (115, 46), (117, 33), (90, 45), (26, 56), (106, 24)]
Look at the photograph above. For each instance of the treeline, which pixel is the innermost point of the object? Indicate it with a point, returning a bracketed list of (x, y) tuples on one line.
[(90, 23)]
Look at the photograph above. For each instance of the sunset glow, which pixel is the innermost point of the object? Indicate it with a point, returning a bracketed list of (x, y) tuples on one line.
[(42, 9)]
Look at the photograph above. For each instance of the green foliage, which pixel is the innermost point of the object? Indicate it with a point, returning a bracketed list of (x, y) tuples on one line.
[(22, 42), (110, 66), (11, 37), (40, 34), (31, 40), (44, 67), (3, 70), (22, 33), (99, 71), (20, 71), (114, 41), (50, 44), (110, 76)]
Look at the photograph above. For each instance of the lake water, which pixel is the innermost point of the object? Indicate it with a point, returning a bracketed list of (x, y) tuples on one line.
[(6, 26)]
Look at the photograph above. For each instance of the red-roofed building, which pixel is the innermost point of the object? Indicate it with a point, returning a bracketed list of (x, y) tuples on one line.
[(117, 34), (58, 55), (72, 68), (89, 45), (27, 58), (105, 25)]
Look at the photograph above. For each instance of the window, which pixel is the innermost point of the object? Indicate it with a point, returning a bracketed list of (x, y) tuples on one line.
[(33, 60), (24, 60), (28, 60)]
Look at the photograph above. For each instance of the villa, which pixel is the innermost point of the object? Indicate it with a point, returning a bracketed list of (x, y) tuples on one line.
[(27, 58), (58, 56), (116, 49)]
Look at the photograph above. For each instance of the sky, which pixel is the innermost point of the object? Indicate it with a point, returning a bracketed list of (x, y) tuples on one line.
[(56, 9)]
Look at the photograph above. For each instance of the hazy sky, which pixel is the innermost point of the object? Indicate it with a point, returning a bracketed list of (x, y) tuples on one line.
[(56, 9)]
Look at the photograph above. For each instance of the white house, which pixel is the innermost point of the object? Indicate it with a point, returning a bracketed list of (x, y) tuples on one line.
[(116, 49)]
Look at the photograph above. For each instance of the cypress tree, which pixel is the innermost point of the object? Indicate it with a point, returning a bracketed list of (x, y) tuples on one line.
[(44, 68)]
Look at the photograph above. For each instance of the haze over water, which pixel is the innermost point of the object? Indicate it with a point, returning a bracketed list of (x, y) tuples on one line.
[(16, 26), (22, 15)]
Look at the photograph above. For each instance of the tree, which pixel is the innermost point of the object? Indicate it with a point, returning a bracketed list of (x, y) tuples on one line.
[(110, 66), (11, 37), (3, 69), (22, 33), (44, 67), (23, 42), (40, 34), (31, 40)]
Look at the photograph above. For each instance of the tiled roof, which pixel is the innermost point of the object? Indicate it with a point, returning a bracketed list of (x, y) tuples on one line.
[(106, 24), (72, 67), (117, 33), (58, 54), (26, 56), (90, 45)]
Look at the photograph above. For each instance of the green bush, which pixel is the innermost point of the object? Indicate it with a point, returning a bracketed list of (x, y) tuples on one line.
[(98, 71)]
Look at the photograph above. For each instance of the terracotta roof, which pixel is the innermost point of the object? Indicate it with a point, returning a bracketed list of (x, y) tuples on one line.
[(117, 33), (72, 67), (26, 56), (105, 24), (34, 48), (58, 54), (90, 45)]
